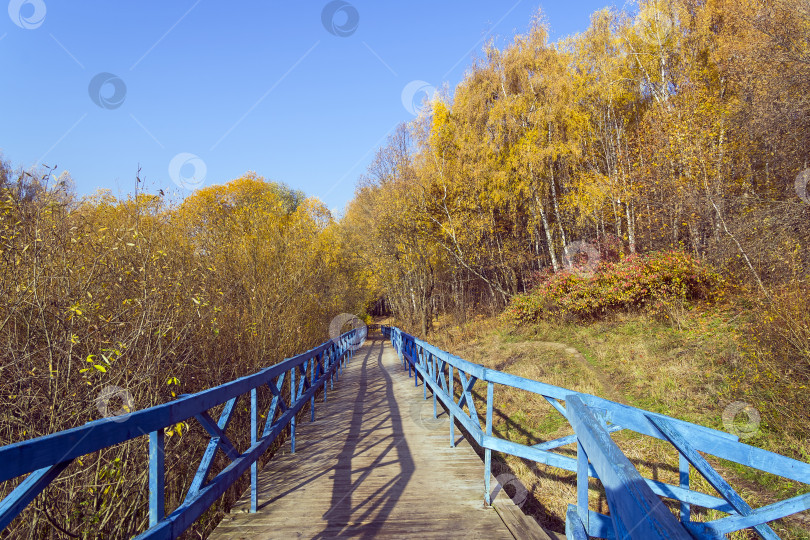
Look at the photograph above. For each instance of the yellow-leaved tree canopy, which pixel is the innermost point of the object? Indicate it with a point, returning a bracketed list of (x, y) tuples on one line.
[(134, 301)]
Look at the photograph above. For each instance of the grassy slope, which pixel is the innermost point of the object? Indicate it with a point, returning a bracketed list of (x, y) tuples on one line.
[(684, 370)]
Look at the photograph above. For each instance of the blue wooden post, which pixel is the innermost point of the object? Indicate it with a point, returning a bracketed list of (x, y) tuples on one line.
[(405, 362), (331, 357), (436, 379), (157, 488), (341, 356), (451, 387), (582, 485), (293, 398), (683, 465), (487, 451), (414, 361), (254, 470), (323, 371), (311, 362), (404, 347), (423, 363), (326, 365), (574, 528)]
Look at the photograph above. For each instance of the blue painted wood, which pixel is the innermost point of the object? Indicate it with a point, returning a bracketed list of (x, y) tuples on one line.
[(410, 356), (615, 413), (467, 383), (45, 457), (435, 377), (213, 429), (423, 363), (321, 368), (704, 440), (293, 397), (157, 488), (204, 467), (557, 460), (27, 456), (761, 515), (569, 464), (189, 511), (659, 488), (488, 451), (570, 439), (218, 439), (449, 401), (635, 510), (582, 484), (699, 530), (683, 473), (452, 385), (556, 404), (600, 526), (18, 499), (278, 400), (680, 442), (574, 527), (254, 467), (312, 382), (331, 361), (417, 355)]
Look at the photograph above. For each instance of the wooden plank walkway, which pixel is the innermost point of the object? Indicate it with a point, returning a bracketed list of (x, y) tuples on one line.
[(374, 464)]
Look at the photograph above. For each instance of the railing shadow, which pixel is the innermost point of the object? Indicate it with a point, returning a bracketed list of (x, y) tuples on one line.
[(531, 505), (374, 408)]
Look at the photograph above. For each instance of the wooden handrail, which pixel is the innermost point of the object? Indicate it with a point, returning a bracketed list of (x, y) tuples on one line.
[(593, 419), (43, 458)]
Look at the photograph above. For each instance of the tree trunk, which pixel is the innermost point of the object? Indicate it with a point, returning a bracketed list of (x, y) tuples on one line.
[(557, 208), (549, 239), (631, 228)]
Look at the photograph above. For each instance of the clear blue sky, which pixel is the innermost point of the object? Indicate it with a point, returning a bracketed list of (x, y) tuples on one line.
[(260, 85)]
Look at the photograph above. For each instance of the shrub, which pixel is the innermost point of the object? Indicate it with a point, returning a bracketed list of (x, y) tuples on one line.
[(158, 300), (657, 282), (775, 372)]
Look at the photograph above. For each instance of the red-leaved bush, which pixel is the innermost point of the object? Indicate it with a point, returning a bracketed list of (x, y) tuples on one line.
[(652, 281)]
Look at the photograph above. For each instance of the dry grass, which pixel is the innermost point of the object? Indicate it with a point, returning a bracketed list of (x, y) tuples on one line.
[(682, 371)]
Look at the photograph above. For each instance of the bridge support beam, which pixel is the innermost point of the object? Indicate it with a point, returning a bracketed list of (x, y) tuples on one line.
[(157, 488), (452, 416), (293, 398), (312, 383), (254, 468), (488, 452)]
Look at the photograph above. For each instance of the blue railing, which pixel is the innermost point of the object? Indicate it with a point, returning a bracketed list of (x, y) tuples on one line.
[(43, 458), (635, 504)]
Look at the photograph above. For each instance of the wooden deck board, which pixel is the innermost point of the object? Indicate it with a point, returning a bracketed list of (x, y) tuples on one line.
[(374, 464)]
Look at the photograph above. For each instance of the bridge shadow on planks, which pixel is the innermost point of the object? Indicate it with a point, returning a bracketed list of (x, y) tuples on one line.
[(374, 411), (368, 467)]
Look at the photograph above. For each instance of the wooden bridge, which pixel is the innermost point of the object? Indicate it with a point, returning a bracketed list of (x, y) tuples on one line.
[(375, 464), (376, 459)]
